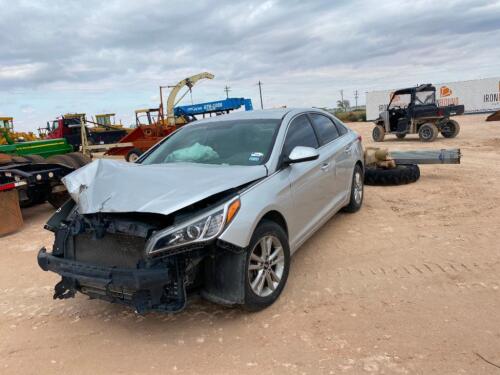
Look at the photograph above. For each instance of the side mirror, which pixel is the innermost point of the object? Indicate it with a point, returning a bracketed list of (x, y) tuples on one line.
[(301, 154)]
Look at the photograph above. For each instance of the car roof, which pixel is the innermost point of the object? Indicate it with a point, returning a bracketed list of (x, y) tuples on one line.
[(265, 114)]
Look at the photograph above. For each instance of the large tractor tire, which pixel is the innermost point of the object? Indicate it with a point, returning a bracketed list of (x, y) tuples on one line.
[(35, 158), (20, 159), (428, 132), (402, 174), (79, 158), (65, 160), (378, 133), (450, 129)]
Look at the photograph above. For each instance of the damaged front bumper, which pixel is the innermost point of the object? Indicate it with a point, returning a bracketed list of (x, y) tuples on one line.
[(159, 288)]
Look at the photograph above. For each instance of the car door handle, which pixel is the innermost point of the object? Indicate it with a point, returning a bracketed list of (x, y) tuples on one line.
[(348, 149), (325, 166)]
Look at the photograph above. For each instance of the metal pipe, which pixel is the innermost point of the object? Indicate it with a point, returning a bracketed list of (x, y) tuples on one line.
[(451, 156)]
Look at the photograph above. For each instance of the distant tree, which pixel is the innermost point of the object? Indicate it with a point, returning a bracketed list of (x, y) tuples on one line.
[(343, 105)]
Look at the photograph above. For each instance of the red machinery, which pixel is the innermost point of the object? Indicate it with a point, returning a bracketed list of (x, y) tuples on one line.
[(152, 126)]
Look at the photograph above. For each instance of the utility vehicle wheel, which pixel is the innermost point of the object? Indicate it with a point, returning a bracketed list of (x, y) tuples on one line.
[(402, 174), (64, 160), (378, 133), (133, 155), (267, 265), (401, 136), (356, 191), (58, 199), (79, 158), (428, 132), (450, 129), (35, 158)]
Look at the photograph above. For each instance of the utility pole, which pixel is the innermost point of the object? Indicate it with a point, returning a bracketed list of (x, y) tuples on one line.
[(260, 92), (342, 99), (227, 89), (356, 95)]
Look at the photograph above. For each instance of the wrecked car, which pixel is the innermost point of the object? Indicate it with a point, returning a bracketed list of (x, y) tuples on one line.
[(218, 207)]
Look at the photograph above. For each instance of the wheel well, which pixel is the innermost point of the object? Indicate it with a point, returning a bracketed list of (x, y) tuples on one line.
[(277, 218), (360, 164)]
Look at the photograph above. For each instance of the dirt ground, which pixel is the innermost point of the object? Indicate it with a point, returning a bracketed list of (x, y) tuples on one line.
[(408, 285)]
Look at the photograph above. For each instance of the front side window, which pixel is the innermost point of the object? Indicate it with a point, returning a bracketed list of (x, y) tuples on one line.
[(300, 133), (324, 127), (233, 142)]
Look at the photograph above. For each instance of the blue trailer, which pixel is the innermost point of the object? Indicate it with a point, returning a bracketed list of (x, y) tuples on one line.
[(219, 106)]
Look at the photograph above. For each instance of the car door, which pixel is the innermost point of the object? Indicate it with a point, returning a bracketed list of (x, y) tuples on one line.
[(309, 181), (334, 144)]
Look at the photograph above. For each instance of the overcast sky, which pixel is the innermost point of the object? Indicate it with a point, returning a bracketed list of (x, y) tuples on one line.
[(63, 56)]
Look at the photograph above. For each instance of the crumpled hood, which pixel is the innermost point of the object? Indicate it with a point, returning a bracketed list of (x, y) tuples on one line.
[(116, 186)]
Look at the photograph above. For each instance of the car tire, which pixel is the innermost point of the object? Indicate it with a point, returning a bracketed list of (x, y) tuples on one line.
[(357, 189), (401, 136), (450, 129), (402, 174), (133, 155), (428, 132), (378, 133), (261, 285)]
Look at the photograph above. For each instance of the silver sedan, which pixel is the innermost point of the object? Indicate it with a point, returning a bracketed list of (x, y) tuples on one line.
[(217, 207)]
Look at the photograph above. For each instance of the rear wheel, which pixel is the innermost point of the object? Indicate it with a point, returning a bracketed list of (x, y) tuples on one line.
[(450, 129), (378, 133), (357, 189), (267, 266), (428, 132), (133, 155)]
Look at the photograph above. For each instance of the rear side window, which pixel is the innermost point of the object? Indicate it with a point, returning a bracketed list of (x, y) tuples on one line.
[(325, 128), (300, 133), (340, 126)]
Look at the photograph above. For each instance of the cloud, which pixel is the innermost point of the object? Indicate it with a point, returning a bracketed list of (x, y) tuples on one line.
[(72, 53)]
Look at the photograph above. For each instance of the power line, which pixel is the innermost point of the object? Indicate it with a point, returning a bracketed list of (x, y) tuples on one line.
[(260, 92), (227, 89)]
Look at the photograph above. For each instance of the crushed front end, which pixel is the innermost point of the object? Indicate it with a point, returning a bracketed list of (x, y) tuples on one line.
[(123, 257)]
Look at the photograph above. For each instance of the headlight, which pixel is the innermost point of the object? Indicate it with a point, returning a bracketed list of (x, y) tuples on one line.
[(200, 229)]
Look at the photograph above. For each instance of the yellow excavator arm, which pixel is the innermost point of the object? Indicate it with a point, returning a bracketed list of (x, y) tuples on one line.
[(188, 82)]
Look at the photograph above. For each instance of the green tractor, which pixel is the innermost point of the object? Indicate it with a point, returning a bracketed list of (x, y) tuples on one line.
[(43, 148)]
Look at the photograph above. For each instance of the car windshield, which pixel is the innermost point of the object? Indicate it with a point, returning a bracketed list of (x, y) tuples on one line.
[(235, 142)]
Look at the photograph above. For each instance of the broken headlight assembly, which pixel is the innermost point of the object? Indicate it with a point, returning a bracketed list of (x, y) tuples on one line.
[(198, 230)]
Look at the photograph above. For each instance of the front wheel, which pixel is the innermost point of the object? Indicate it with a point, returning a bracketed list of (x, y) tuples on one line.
[(428, 132), (267, 266), (378, 133), (357, 188)]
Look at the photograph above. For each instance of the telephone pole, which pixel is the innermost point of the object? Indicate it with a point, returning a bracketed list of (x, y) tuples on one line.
[(356, 95), (342, 99), (260, 92), (227, 89)]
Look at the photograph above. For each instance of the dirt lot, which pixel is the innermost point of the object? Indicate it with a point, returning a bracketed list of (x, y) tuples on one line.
[(409, 285)]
